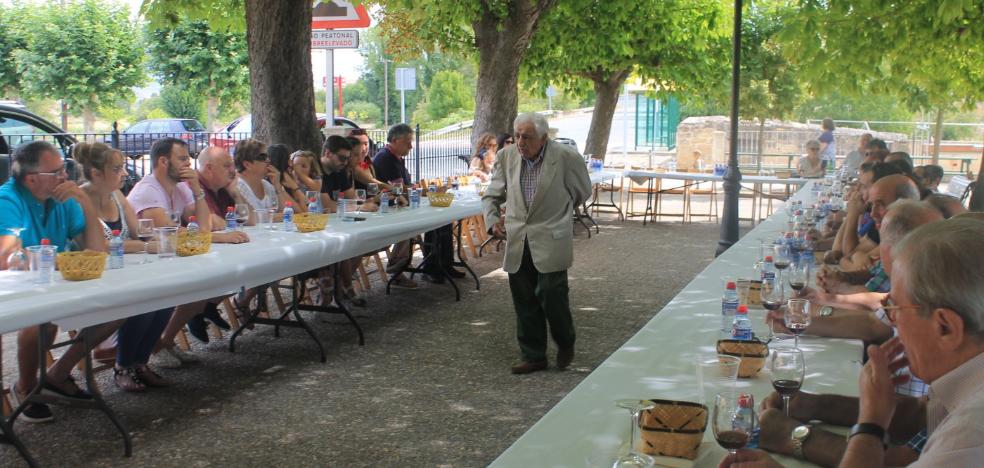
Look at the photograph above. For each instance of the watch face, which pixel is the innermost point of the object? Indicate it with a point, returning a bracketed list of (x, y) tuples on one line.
[(801, 432)]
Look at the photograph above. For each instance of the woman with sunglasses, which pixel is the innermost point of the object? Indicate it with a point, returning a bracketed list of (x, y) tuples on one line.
[(258, 181)]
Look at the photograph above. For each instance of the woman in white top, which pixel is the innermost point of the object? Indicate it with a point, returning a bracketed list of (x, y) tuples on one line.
[(810, 166), (104, 169), (258, 181)]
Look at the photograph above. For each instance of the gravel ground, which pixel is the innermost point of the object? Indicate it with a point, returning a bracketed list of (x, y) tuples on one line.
[(431, 387)]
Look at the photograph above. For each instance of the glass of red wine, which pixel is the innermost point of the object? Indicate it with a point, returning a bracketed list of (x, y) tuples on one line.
[(799, 275), (797, 317), (788, 370), (773, 298), (733, 420)]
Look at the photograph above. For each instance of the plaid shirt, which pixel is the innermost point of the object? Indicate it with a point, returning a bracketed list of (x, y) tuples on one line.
[(918, 441), (879, 281), (530, 175)]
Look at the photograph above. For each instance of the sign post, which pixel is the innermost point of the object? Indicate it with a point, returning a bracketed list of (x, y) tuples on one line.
[(326, 16), (551, 92), (406, 80)]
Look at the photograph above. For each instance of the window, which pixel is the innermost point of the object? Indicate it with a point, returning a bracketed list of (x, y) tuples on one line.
[(192, 126), (139, 127)]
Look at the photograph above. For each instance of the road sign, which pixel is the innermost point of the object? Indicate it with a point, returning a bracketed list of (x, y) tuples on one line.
[(551, 91), (335, 39), (406, 79), (333, 14)]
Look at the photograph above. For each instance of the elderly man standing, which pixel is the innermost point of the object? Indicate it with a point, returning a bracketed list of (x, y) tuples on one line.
[(539, 183)]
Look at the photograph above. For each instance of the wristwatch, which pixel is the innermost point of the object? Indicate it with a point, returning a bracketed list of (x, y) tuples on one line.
[(799, 436), (826, 311), (200, 195), (870, 429)]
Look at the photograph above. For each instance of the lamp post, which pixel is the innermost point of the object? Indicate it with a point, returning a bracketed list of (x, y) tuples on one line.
[(386, 93), (732, 179)]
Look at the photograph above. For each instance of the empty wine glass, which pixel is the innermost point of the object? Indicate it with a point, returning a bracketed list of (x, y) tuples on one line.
[(733, 420), (788, 369), (633, 458), (17, 260), (145, 231), (797, 317), (242, 215)]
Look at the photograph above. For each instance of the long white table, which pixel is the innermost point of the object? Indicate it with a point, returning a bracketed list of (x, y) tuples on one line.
[(269, 256), (659, 362)]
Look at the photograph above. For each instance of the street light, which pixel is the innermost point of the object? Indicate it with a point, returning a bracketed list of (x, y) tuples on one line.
[(386, 93)]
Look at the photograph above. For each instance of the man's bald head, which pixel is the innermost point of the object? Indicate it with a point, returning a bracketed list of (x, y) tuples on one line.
[(886, 191), (903, 217), (216, 167)]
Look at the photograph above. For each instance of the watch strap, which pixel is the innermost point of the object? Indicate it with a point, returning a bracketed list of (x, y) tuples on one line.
[(870, 429)]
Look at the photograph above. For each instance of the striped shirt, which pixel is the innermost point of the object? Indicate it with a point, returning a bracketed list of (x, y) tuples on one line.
[(529, 176)]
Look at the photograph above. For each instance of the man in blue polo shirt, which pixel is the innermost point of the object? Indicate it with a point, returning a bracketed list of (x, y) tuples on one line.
[(39, 202)]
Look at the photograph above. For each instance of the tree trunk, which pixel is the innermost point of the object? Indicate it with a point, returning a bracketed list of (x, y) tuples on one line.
[(761, 145), (501, 47), (278, 35), (938, 135), (607, 88), (976, 197), (88, 119), (211, 113)]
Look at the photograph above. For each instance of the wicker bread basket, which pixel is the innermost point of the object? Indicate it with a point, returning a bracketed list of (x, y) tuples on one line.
[(751, 352), (440, 200), (309, 222), (81, 266), (673, 428), (190, 244)]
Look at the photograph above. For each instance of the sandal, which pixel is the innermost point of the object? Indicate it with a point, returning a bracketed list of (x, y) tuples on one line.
[(127, 380), (149, 377)]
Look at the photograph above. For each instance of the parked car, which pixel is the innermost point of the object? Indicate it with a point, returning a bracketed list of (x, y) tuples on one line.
[(242, 128), (136, 140), (19, 126)]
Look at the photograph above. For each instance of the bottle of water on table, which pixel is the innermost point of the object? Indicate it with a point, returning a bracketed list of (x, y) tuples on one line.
[(288, 217), (115, 251), (230, 217), (46, 262), (729, 306), (384, 202), (741, 326)]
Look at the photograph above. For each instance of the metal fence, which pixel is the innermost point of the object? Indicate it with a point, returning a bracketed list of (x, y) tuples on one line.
[(435, 154)]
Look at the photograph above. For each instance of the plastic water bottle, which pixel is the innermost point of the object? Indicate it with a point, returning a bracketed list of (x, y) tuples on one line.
[(768, 268), (46, 262), (384, 202), (745, 418), (115, 251), (806, 252), (313, 206), (415, 198), (193, 227), (742, 326), (289, 217), (231, 223), (729, 305)]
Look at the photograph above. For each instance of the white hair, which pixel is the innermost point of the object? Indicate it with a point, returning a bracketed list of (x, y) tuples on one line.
[(903, 217), (538, 121)]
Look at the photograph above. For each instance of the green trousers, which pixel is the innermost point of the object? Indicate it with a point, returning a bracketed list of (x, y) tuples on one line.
[(539, 299)]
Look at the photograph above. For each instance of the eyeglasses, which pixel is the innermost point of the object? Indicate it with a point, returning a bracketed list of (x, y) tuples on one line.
[(891, 308), (61, 171)]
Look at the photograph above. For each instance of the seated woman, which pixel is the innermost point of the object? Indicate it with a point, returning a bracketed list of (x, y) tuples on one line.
[(280, 160), (104, 170), (502, 141), (306, 170), (259, 182), (484, 157), (810, 166)]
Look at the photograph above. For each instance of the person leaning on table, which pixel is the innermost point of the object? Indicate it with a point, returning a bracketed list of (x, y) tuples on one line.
[(539, 182), (40, 201), (938, 309)]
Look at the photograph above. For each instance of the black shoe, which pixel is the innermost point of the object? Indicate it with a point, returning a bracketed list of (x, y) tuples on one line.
[(33, 412), (436, 279), (454, 273), (212, 314), (51, 390), (198, 328)]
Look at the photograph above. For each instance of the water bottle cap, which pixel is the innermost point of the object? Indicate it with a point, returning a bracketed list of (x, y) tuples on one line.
[(745, 400), (731, 285), (288, 204), (191, 219), (116, 232), (742, 309), (230, 209), (45, 242), (768, 258)]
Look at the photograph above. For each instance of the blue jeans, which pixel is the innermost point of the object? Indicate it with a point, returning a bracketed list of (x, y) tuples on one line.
[(136, 339)]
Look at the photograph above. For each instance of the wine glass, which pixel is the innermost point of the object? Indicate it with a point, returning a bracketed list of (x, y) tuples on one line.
[(797, 317), (17, 260), (799, 275), (772, 297), (372, 189), (781, 257), (788, 370), (242, 214), (397, 191), (633, 458), (145, 231), (360, 198), (733, 420)]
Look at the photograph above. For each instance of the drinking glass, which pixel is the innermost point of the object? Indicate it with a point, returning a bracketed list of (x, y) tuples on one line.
[(733, 420), (716, 373), (788, 370), (17, 260), (264, 218), (242, 215), (360, 198), (799, 275), (633, 458), (797, 317), (372, 189), (145, 231), (167, 241), (782, 256), (772, 298)]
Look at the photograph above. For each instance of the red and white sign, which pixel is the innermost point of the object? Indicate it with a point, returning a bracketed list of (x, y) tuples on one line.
[(335, 39), (333, 14)]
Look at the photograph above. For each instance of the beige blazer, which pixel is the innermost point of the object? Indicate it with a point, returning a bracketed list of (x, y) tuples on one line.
[(547, 224)]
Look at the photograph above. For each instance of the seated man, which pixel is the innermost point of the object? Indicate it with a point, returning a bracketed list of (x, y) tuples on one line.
[(170, 195), (38, 201), (930, 176), (948, 205), (935, 306)]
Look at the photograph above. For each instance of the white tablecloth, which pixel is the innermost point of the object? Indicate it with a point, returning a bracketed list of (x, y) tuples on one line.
[(659, 362), (599, 177), (269, 256)]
